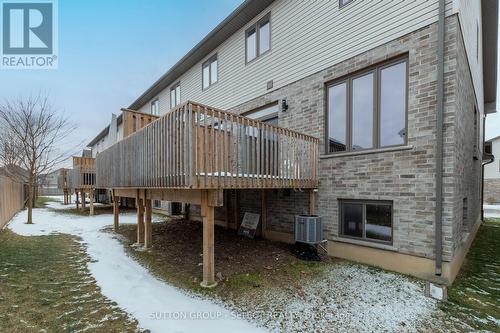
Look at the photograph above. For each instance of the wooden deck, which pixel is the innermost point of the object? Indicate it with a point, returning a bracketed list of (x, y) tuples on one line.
[(195, 152), (81, 180), (63, 183), (83, 174), (198, 147)]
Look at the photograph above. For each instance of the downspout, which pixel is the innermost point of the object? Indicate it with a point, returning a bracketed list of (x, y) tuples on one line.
[(483, 164), (482, 168), (438, 223)]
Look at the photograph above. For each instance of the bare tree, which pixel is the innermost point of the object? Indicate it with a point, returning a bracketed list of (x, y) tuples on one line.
[(31, 141)]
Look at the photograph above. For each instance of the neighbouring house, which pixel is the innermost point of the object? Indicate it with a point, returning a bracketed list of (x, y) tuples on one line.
[(367, 113), (48, 184), (492, 174)]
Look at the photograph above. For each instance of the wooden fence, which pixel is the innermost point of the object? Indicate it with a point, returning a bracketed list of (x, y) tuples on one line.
[(196, 146), (11, 199)]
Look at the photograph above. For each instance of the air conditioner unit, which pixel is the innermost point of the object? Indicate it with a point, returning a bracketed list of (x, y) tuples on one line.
[(308, 229)]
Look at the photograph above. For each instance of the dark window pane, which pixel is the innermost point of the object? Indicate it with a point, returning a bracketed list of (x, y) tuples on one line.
[(264, 37), (352, 220), (393, 105), (337, 104), (379, 222), (362, 112)]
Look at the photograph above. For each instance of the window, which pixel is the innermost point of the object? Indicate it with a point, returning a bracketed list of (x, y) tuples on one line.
[(209, 72), (175, 95), (366, 220), (368, 110), (155, 107), (258, 38), (269, 143), (267, 114), (342, 3)]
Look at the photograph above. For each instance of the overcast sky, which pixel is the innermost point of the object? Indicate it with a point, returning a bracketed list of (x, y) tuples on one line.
[(111, 51)]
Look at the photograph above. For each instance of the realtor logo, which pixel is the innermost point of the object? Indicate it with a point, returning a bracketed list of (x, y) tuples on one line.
[(29, 34)]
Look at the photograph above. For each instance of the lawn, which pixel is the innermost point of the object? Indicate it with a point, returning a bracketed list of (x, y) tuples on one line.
[(257, 275), (474, 298), (45, 286), (265, 283), (45, 283), (42, 202)]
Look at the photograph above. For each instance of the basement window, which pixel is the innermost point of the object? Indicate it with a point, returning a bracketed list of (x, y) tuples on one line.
[(366, 220)]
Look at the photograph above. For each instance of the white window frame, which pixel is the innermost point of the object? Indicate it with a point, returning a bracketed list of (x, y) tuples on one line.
[(208, 64), (155, 107), (256, 27), (176, 89)]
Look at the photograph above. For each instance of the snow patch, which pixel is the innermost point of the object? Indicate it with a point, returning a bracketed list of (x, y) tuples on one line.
[(156, 305)]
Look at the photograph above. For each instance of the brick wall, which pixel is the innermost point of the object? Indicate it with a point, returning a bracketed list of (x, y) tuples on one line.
[(404, 176), (462, 151)]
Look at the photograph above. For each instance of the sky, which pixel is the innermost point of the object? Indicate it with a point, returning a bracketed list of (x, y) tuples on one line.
[(111, 51)]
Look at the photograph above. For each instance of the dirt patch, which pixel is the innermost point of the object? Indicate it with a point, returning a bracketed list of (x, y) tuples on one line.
[(98, 210), (241, 263)]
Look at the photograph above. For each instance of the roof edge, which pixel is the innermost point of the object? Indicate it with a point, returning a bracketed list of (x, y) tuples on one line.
[(247, 10)]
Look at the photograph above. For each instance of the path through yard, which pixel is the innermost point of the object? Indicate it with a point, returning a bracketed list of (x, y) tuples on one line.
[(156, 305)]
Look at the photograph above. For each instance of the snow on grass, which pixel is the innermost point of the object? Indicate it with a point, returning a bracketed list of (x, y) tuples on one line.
[(347, 298), (156, 305), (492, 211)]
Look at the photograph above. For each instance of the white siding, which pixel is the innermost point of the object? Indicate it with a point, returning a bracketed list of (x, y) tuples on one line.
[(107, 141), (306, 37), (469, 13), (492, 170)]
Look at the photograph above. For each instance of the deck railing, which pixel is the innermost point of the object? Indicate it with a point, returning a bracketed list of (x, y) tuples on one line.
[(196, 146), (83, 174)]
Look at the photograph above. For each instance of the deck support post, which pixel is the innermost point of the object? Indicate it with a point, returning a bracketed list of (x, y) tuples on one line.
[(84, 204), (207, 212), (91, 196), (236, 208), (312, 202), (77, 200), (140, 220), (148, 225), (264, 213), (116, 211)]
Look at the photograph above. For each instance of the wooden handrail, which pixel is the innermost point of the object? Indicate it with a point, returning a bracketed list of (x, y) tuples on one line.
[(196, 146)]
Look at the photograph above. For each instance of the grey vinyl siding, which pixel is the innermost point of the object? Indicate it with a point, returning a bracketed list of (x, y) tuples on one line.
[(307, 36)]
